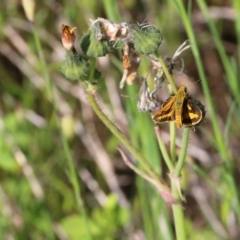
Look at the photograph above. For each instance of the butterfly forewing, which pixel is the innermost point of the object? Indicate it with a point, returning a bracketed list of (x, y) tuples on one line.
[(167, 111)]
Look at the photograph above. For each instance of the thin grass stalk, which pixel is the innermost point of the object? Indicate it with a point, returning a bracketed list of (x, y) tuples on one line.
[(236, 5), (221, 144), (221, 192), (232, 80), (136, 140), (222, 148), (229, 119), (157, 205), (73, 174), (177, 209), (111, 9), (43, 65)]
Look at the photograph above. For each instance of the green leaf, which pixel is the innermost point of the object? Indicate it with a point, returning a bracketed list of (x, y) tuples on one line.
[(146, 38)]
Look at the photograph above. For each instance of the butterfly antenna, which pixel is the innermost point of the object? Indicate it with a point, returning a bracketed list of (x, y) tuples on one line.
[(194, 82), (181, 49)]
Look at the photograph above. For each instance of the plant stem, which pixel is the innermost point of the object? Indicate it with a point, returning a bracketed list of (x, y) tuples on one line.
[(173, 142), (126, 143), (178, 210), (168, 75), (164, 151), (43, 65), (183, 152), (178, 217)]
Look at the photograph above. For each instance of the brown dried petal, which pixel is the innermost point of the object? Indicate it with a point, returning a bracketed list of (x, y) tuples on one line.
[(126, 62), (109, 28), (68, 37), (131, 61), (131, 77)]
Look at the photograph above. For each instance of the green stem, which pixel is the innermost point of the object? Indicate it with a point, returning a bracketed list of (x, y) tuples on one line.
[(43, 65), (178, 216), (135, 169), (164, 151), (92, 101), (178, 210), (173, 141), (168, 75), (183, 153), (112, 10)]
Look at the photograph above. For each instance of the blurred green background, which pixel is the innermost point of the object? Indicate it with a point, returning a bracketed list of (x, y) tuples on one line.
[(37, 197)]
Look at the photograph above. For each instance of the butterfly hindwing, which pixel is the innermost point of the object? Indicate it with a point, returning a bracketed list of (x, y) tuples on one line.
[(192, 114)]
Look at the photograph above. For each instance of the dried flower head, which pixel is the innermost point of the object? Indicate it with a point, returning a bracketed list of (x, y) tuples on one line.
[(171, 63), (68, 37), (157, 69), (146, 100), (113, 31)]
